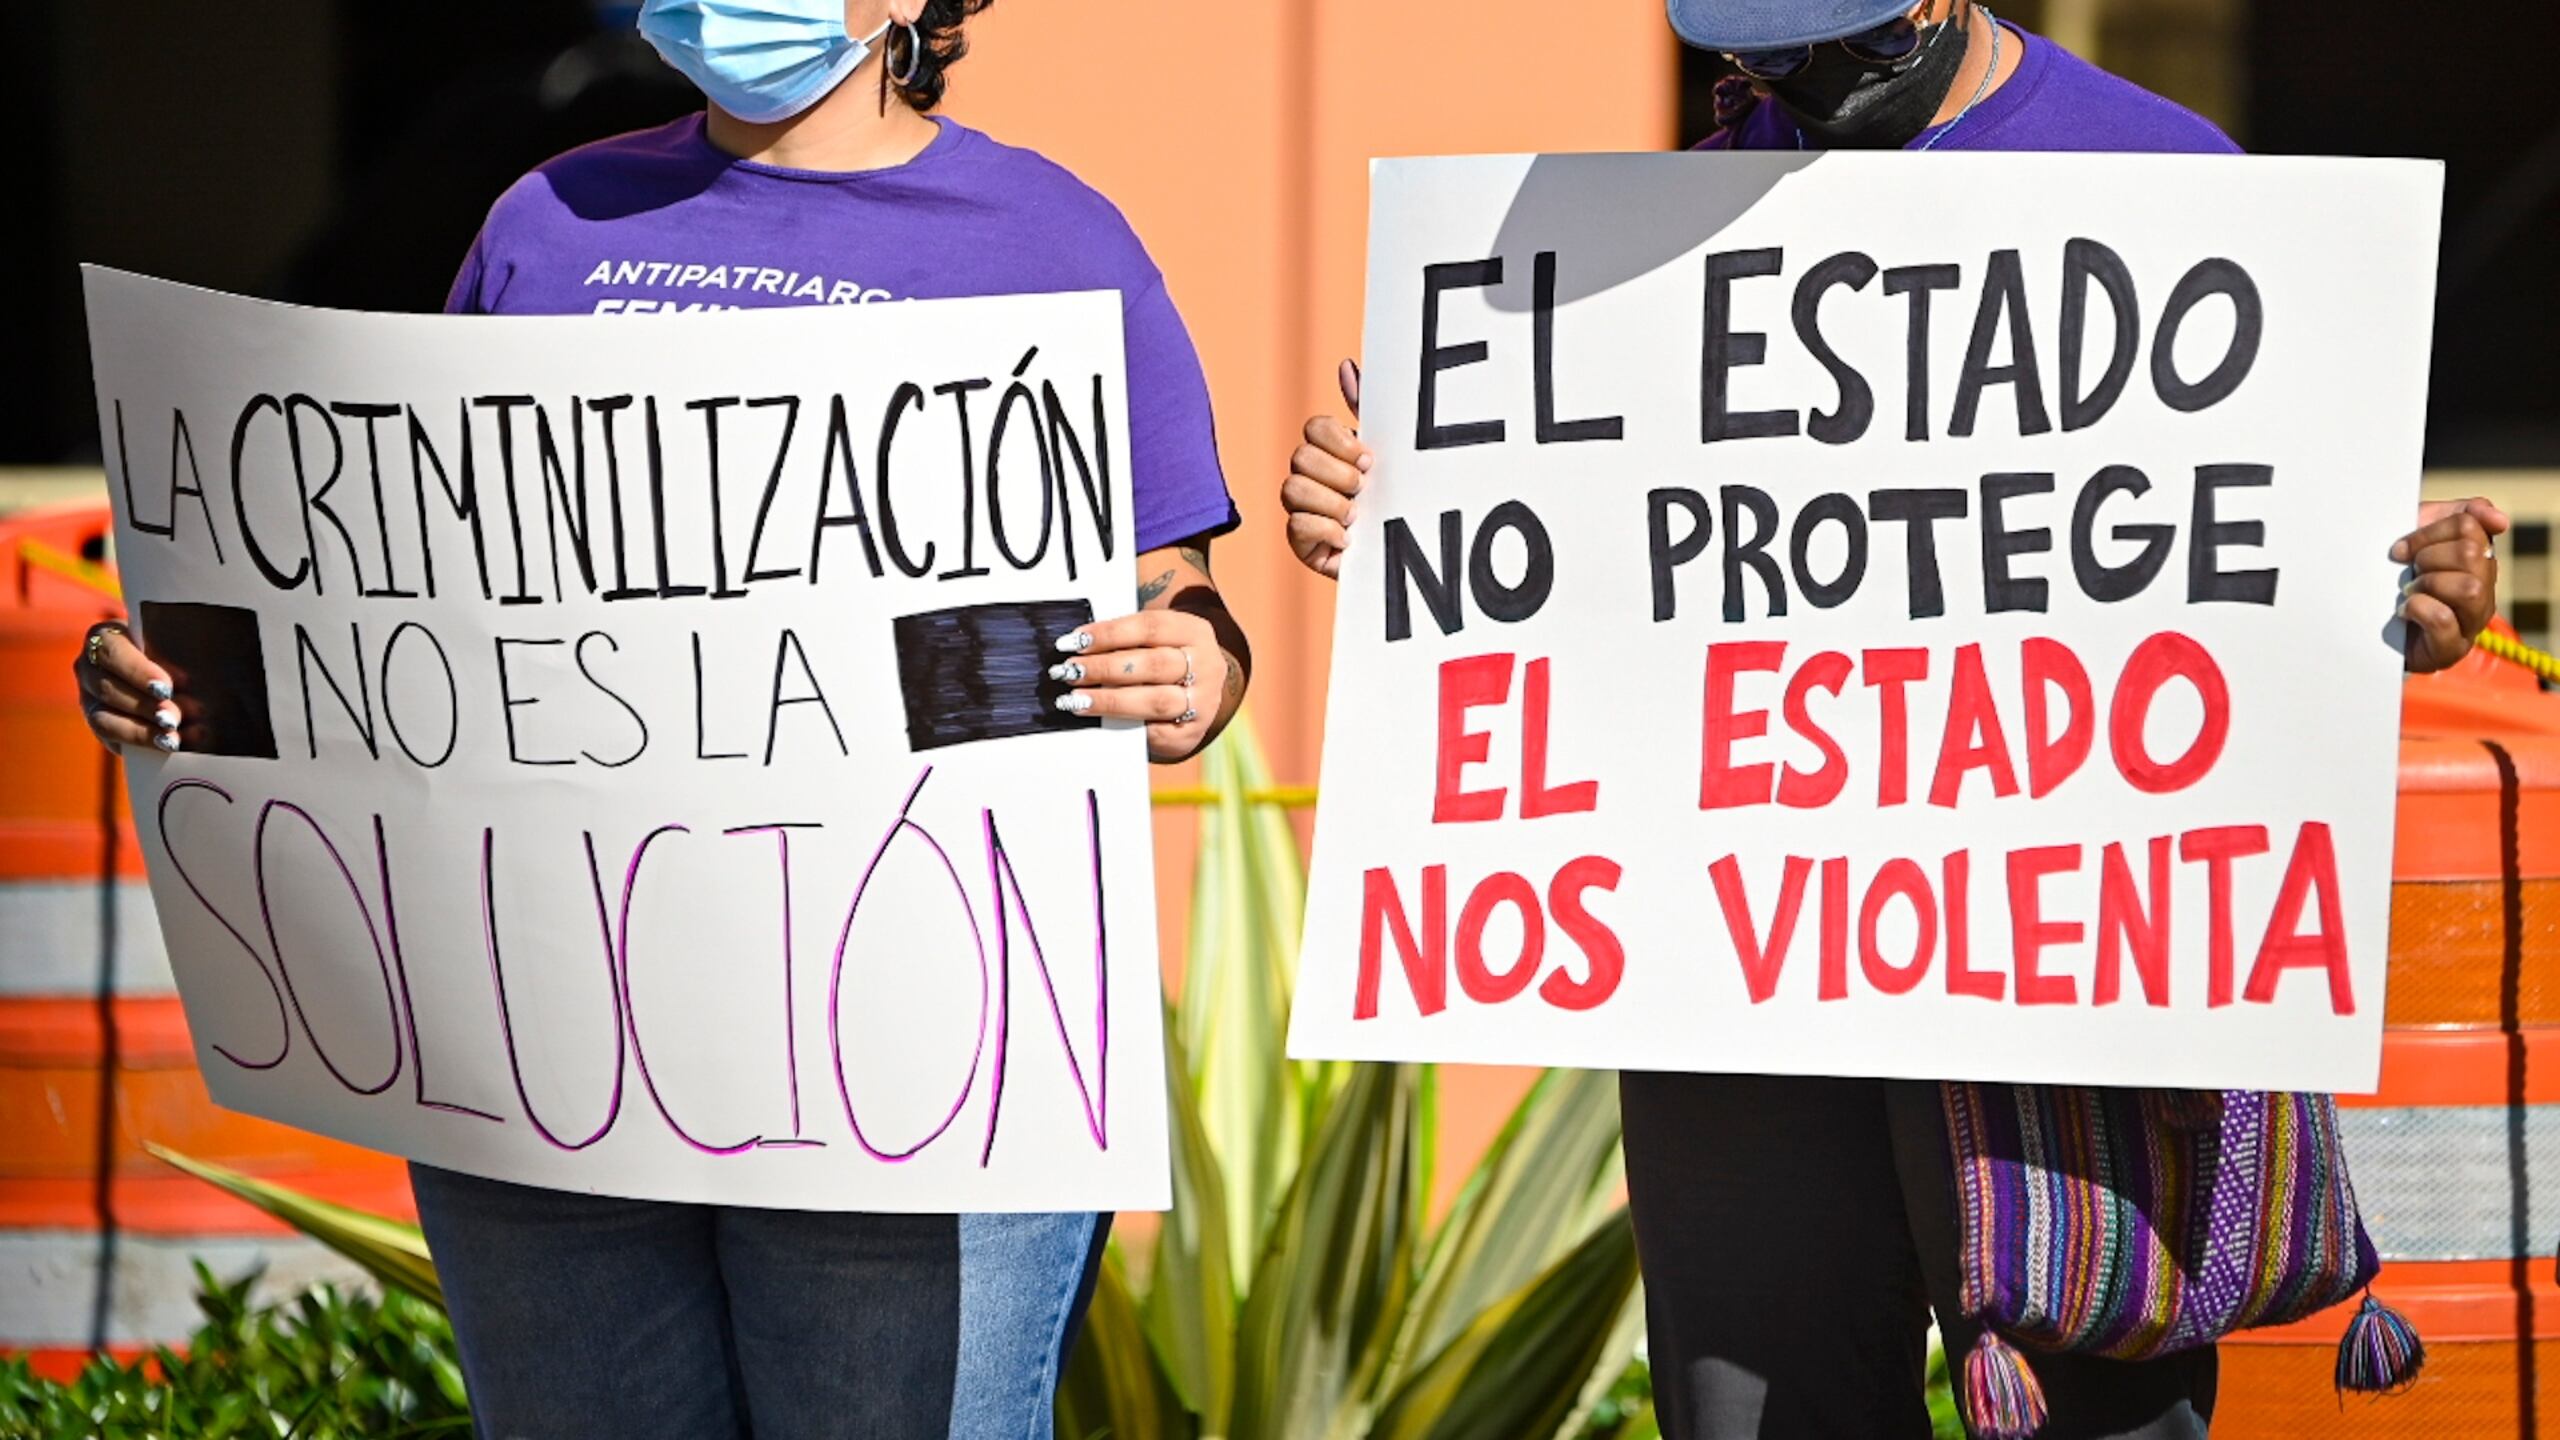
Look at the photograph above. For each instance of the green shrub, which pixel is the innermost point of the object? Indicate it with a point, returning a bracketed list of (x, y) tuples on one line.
[(326, 1366)]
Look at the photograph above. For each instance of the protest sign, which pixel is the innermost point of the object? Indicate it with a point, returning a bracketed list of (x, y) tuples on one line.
[(617, 755), (1865, 615)]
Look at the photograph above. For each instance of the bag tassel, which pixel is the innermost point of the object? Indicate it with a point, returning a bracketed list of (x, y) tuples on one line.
[(2381, 1352), (2001, 1396)]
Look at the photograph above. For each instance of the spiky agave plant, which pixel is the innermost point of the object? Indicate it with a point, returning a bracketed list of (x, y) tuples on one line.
[(1299, 1289)]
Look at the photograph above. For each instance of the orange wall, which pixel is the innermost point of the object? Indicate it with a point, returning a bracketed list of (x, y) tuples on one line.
[(1236, 136)]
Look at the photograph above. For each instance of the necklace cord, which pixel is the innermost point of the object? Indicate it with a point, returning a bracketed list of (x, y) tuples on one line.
[(1981, 87)]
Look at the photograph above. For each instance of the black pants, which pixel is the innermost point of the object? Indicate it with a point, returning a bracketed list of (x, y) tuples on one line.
[(1795, 1234)]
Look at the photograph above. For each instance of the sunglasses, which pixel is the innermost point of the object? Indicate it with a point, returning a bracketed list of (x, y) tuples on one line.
[(1890, 43)]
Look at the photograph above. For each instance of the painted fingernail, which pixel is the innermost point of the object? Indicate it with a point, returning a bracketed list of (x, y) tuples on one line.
[(160, 689), (1075, 704), (2409, 587), (1075, 642), (1070, 671), (167, 716), (166, 742)]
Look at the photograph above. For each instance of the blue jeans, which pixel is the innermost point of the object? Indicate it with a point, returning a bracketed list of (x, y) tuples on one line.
[(584, 1315)]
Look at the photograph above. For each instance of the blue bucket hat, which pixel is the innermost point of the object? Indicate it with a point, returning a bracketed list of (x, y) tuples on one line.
[(1735, 26)]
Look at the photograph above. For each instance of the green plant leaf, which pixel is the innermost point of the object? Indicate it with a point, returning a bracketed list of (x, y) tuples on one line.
[(1277, 875), (1189, 1310), (1247, 894), (1217, 894), (1529, 1201), (1336, 1271), (1616, 1373), (395, 1253), (1112, 1385), (1521, 1367), (1945, 1421)]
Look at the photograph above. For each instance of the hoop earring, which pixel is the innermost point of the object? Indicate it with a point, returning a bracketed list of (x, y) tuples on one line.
[(915, 58)]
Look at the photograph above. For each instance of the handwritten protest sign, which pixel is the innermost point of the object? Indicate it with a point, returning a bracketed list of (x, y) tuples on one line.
[(1850, 615), (617, 755)]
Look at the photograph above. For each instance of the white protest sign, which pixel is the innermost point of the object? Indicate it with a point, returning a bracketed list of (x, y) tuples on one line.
[(617, 755), (1875, 615)]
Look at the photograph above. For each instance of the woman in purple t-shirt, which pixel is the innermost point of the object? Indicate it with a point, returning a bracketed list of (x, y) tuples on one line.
[(816, 175)]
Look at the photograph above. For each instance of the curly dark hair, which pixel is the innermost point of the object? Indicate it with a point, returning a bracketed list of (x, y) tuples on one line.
[(938, 28)]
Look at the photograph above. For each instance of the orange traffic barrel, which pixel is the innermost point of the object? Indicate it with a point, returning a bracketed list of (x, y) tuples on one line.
[(56, 558), (2456, 1160), (97, 1239), (2453, 1163)]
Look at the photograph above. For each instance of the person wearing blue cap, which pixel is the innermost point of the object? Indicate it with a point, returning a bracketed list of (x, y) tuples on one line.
[(1946, 74), (1797, 1232)]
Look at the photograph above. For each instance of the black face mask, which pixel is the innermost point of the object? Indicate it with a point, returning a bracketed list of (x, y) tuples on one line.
[(1845, 103)]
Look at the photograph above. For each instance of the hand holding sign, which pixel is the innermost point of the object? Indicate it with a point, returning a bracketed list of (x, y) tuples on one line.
[(1178, 666), (1325, 476), (2454, 588), (128, 699)]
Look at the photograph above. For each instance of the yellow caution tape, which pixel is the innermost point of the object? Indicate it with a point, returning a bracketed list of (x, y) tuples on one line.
[(2516, 652), (1292, 797), (70, 567)]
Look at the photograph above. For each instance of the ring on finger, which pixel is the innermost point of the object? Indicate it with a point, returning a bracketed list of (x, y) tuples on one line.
[(1190, 711), (1190, 677), (98, 640)]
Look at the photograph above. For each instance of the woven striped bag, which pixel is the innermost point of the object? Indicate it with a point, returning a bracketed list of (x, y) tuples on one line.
[(2138, 1223)]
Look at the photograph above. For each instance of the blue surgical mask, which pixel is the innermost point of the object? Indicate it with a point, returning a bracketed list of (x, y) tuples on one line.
[(761, 62)]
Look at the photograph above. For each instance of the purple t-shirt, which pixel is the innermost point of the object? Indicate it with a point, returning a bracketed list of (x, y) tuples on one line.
[(663, 221), (2055, 101)]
